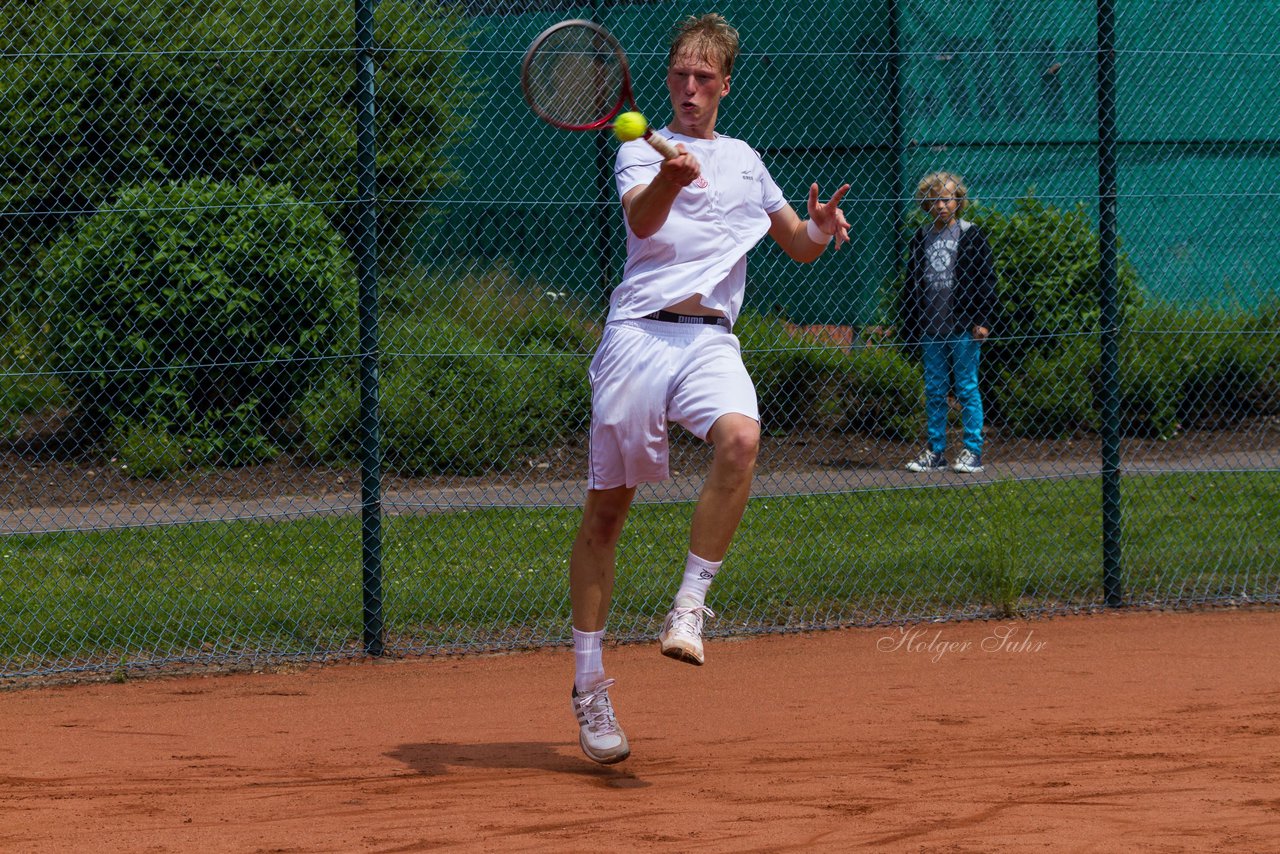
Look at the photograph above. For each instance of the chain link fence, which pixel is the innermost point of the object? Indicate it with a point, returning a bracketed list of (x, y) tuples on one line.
[(299, 300)]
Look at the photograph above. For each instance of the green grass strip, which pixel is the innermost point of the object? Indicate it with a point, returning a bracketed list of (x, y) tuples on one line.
[(479, 578)]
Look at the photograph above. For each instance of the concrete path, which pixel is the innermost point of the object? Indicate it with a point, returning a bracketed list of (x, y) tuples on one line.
[(115, 515)]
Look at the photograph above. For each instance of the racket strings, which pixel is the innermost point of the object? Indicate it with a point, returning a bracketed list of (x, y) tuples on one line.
[(575, 77)]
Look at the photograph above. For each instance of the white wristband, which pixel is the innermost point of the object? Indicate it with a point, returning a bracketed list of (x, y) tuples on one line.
[(816, 234)]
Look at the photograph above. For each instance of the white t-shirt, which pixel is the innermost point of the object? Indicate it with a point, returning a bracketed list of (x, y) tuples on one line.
[(714, 222)]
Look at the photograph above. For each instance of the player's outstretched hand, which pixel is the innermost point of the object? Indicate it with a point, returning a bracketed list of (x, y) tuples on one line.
[(827, 215)]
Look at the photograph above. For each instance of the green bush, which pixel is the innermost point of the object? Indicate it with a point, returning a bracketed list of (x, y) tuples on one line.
[(451, 405), (1235, 372), (1262, 346), (1041, 366), (1050, 397), (105, 96), (474, 413), (1168, 364), (1220, 389), (512, 314), (1179, 369), (889, 394), (329, 416), (801, 385), (201, 309), (1186, 369), (25, 386), (145, 451), (788, 377), (1050, 276), (1149, 383), (502, 380)]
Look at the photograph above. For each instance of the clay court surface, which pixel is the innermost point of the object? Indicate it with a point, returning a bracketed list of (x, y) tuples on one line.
[(1142, 731)]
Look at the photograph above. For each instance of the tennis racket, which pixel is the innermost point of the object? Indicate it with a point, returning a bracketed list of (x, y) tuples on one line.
[(575, 77)]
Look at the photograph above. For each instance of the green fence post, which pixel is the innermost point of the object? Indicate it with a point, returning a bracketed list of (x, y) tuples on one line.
[(1112, 521), (896, 134), (367, 274), (603, 217)]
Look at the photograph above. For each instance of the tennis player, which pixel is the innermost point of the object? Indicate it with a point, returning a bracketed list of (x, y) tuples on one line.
[(668, 354)]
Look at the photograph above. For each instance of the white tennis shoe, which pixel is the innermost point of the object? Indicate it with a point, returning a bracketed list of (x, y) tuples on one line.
[(968, 462), (681, 635), (598, 732)]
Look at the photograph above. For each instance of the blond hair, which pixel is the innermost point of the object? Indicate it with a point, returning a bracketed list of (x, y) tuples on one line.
[(934, 186), (708, 37)]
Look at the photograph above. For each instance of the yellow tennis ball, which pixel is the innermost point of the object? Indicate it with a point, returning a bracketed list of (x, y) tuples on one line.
[(629, 126)]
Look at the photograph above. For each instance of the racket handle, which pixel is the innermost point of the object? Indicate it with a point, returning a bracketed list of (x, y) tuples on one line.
[(660, 144)]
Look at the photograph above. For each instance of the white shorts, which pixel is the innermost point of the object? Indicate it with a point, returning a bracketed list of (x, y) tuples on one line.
[(648, 373)]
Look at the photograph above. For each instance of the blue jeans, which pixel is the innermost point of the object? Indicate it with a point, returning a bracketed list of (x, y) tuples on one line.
[(956, 354)]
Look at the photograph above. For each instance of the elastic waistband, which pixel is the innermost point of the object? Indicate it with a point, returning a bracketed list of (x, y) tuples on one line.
[(694, 319)]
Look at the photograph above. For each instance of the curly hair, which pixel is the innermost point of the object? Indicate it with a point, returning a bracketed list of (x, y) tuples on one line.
[(934, 185), (708, 37)]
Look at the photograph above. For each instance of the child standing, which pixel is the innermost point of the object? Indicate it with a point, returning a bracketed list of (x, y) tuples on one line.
[(947, 306)]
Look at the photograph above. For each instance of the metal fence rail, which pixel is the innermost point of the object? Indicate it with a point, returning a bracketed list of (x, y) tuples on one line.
[(299, 299)]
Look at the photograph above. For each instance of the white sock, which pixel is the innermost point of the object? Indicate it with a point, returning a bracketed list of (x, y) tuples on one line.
[(698, 575), (588, 659)]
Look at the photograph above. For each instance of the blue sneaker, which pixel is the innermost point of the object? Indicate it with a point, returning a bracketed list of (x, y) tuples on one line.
[(967, 462), (928, 461)]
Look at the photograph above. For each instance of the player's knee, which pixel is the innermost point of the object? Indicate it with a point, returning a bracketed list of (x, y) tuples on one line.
[(738, 444), (603, 518), (603, 528)]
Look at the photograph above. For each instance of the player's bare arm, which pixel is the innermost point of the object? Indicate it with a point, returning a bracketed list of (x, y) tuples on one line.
[(794, 235), (648, 205)]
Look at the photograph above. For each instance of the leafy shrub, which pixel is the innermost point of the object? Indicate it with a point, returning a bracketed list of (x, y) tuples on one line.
[(25, 385), (1148, 394), (1219, 389), (468, 414), (547, 331), (502, 379), (1182, 369), (804, 386), (97, 97), (1179, 369), (1262, 346), (453, 406), (203, 309), (789, 381), (512, 314), (1253, 343), (145, 451), (880, 393), (1041, 365), (1050, 396), (329, 416), (1050, 276)]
